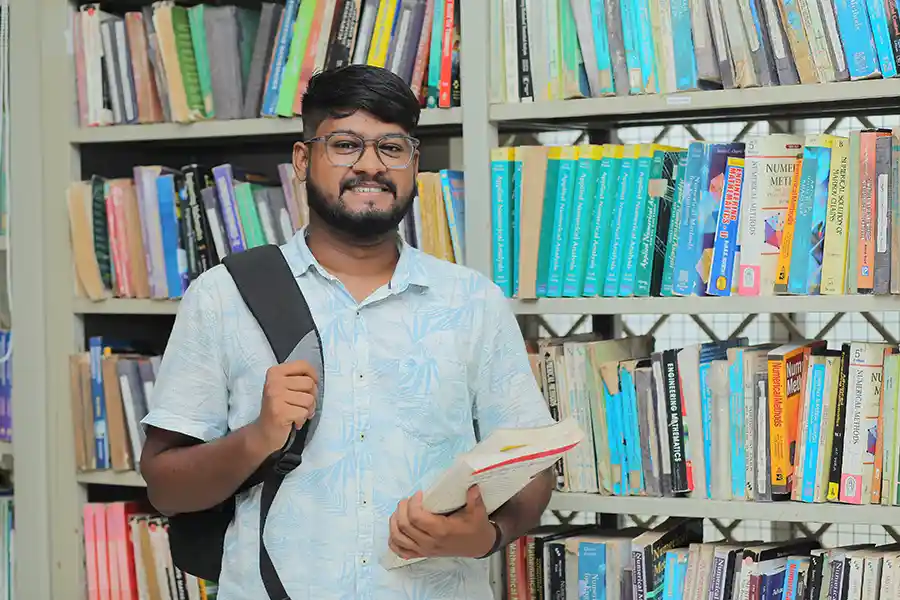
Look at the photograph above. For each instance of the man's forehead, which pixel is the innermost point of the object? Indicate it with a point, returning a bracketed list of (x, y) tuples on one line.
[(359, 122)]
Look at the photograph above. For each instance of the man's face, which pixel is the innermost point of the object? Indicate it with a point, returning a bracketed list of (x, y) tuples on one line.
[(365, 200)]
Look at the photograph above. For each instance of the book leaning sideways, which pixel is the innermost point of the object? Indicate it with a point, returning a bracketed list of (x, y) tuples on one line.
[(501, 465)]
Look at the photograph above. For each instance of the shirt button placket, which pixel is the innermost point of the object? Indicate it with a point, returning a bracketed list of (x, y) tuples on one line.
[(365, 513)]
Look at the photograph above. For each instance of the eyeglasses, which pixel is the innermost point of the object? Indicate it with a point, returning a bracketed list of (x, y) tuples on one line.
[(394, 150)]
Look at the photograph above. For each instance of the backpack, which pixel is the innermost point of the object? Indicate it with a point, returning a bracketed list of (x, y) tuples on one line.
[(268, 288)]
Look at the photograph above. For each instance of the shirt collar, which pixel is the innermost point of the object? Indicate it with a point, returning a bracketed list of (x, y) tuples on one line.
[(410, 269)]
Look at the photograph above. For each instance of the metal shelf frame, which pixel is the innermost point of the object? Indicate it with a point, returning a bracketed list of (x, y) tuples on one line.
[(47, 149)]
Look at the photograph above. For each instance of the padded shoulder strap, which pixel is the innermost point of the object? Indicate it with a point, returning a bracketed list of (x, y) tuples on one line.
[(267, 286)]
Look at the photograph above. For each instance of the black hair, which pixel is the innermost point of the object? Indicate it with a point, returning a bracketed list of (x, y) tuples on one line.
[(338, 93)]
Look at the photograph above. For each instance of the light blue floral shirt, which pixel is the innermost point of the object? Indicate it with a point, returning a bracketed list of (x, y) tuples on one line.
[(406, 373)]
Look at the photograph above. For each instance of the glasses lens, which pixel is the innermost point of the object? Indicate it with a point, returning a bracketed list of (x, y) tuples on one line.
[(343, 150), (395, 152)]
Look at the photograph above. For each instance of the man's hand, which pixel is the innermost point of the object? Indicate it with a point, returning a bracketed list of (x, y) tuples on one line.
[(289, 400), (417, 533)]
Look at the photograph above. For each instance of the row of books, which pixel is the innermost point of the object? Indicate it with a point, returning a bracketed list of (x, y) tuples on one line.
[(110, 386), (673, 562), (151, 235), (726, 420), (173, 63), (776, 214), (126, 551), (563, 49)]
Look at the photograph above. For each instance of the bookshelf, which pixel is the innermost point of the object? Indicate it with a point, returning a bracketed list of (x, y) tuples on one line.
[(51, 320)]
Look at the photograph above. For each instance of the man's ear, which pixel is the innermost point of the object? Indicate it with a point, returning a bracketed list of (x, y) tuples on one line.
[(300, 160)]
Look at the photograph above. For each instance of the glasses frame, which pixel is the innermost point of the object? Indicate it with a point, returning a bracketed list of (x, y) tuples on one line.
[(414, 142)]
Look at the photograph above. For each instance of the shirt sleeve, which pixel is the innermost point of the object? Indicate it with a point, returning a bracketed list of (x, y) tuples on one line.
[(190, 394), (506, 392)]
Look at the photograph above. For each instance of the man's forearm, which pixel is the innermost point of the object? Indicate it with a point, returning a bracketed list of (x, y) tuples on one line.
[(523, 512), (197, 477)]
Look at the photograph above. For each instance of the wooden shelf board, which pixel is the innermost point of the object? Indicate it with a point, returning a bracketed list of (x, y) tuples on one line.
[(243, 128), (125, 306), (121, 478), (788, 512)]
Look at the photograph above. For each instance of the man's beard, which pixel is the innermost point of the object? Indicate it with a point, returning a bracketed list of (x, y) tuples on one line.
[(368, 225)]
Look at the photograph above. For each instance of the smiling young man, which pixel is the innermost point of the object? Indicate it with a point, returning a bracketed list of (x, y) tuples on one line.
[(416, 351)]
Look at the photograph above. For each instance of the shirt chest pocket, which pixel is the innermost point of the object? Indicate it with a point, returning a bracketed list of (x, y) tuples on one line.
[(430, 400)]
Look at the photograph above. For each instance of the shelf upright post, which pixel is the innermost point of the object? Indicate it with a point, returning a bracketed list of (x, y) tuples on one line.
[(479, 134), (60, 163), (32, 447)]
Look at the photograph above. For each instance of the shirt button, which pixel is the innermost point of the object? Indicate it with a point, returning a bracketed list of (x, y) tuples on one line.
[(362, 436), (364, 561)]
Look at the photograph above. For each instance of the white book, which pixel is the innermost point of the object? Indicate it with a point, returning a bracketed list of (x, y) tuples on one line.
[(500, 465), (863, 406)]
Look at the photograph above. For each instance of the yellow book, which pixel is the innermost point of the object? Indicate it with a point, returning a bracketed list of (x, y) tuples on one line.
[(834, 253), (381, 35), (783, 270)]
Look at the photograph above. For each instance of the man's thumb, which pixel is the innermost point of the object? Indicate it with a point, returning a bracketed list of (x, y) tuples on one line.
[(473, 497)]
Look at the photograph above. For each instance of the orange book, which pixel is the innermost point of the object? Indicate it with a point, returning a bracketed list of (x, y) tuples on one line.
[(783, 270), (786, 367), (868, 211)]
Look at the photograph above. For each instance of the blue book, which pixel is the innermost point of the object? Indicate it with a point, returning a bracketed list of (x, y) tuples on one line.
[(685, 278), (813, 427), (857, 38), (725, 245), (801, 242), (604, 211), (565, 188), (581, 220), (501, 223), (98, 402)]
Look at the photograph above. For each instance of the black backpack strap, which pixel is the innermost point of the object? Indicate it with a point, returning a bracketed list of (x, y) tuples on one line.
[(267, 285)]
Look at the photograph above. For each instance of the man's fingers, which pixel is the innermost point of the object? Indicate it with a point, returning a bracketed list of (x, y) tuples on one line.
[(474, 500), (297, 367), (300, 400), (300, 383), (400, 543)]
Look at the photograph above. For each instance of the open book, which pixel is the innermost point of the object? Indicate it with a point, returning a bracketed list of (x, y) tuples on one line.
[(501, 465)]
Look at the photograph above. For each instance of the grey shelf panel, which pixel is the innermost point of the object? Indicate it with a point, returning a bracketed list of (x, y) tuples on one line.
[(706, 305), (586, 306), (122, 478), (809, 100), (787, 512), (240, 128), (125, 306)]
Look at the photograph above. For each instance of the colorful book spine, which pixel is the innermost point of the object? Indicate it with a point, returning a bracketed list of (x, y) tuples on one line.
[(501, 225), (856, 35), (589, 159), (656, 190), (813, 427), (621, 221), (686, 277), (638, 211), (737, 425), (601, 49), (881, 36), (721, 275), (598, 255), (565, 189), (683, 37)]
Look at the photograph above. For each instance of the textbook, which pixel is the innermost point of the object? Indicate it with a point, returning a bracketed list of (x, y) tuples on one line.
[(501, 465)]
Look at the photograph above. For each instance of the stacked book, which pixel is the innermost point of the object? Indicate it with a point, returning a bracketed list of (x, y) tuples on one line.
[(562, 49), (726, 420), (172, 63), (151, 235), (776, 214)]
